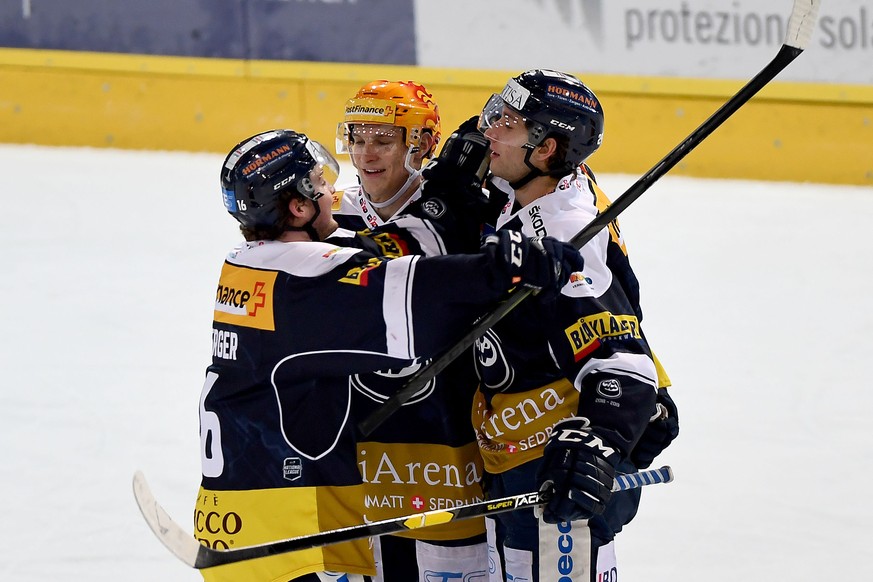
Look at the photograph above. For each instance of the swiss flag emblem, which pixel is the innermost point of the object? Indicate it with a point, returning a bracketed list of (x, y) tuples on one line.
[(417, 502), (511, 448)]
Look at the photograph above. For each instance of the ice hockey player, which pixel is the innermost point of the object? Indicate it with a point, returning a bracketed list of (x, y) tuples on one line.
[(278, 450), (389, 128), (562, 403)]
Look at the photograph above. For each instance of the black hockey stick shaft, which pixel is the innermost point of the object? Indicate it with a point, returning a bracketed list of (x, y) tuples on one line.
[(800, 24), (190, 551)]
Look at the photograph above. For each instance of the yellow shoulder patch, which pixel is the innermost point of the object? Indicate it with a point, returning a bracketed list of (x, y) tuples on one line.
[(245, 297)]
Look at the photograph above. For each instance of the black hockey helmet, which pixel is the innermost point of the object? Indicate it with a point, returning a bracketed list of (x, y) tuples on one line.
[(551, 103), (260, 169)]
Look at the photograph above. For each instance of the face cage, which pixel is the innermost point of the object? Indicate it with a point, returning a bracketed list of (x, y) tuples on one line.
[(411, 135)]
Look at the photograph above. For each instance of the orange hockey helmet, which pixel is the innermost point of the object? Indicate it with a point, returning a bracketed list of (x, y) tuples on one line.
[(404, 104)]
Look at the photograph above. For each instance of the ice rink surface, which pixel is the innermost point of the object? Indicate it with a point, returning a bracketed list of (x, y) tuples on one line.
[(756, 298)]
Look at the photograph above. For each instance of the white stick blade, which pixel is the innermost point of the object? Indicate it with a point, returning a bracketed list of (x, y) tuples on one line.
[(801, 23), (181, 543)]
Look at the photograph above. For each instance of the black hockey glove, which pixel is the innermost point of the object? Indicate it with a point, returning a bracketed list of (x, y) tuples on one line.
[(452, 193), (469, 125), (497, 199), (461, 166), (538, 262), (660, 432), (579, 469)]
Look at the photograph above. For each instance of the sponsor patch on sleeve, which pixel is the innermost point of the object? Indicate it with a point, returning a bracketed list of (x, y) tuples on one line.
[(588, 332), (244, 297)]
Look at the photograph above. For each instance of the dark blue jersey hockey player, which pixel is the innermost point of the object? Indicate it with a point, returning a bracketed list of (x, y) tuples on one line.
[(277, 427), (564, 400)]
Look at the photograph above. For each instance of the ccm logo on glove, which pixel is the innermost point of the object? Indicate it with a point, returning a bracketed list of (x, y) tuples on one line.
[(579, 468), (573, 435)]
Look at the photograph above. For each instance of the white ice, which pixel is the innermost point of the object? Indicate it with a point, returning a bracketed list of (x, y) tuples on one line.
[(756, 298)]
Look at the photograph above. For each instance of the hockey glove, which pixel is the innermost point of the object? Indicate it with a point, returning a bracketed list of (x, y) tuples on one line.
[(660, 432), (538, 262), (579, 469), (461, 166)]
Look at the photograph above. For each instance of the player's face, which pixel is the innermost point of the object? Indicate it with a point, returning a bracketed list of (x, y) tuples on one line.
[(507, 133), (323, 183), (379, 152)]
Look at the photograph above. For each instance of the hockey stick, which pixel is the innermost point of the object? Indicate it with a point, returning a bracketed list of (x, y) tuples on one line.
[(196, 555), (800, 25)]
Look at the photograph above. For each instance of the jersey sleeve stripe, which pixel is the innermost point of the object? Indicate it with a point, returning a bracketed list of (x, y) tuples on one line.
[(637, 366), (397, 307)]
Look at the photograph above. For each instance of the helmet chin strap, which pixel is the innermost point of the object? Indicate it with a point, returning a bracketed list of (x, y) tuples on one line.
[(533, 173), (413, 174)]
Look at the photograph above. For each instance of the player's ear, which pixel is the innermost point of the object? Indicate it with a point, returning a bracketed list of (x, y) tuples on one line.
[(548, 147), (426, 144), (544, 151), (297, 207)]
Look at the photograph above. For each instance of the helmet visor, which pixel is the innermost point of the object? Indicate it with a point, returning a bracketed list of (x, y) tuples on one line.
[(324, 158), (323, 175), (503, 123)]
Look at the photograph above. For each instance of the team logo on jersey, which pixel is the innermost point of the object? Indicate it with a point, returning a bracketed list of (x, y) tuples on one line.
[(433, 207), (244, 297), (610, 388), (586, 335), (381, 385), (492, 367)]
